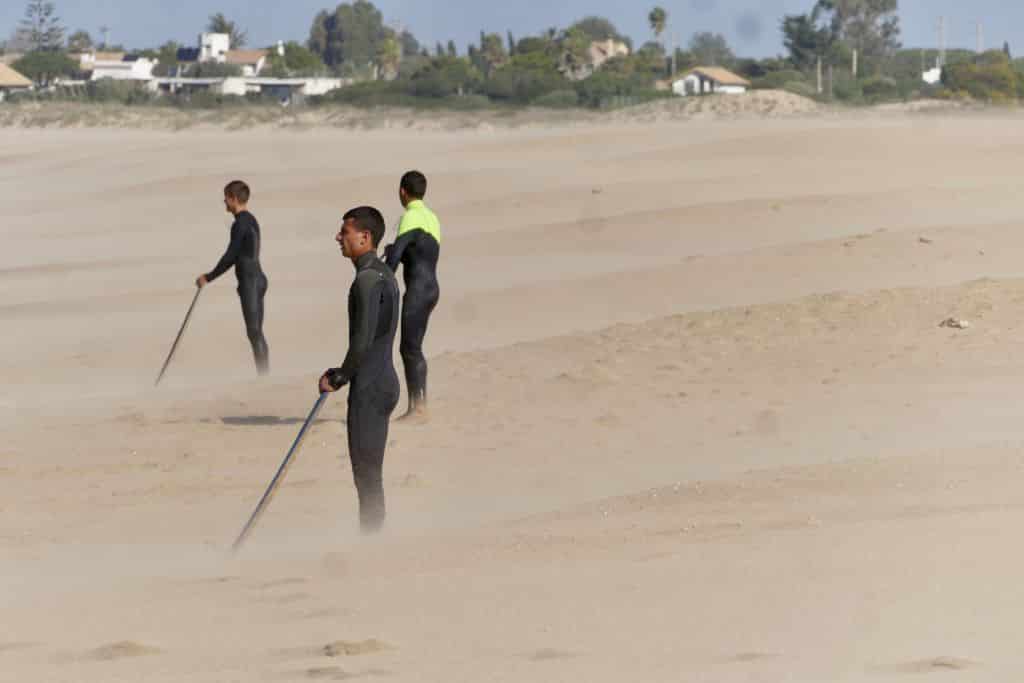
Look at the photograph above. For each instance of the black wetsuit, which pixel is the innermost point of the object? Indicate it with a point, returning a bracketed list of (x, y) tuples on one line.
[(418, 252), (374, 389), (243, 253)]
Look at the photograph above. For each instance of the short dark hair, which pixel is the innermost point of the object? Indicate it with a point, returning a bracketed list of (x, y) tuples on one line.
[(238, 190), (367, 219), (415, 184)]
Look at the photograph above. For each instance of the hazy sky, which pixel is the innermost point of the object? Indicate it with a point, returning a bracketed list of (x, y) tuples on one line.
[(750, 25)]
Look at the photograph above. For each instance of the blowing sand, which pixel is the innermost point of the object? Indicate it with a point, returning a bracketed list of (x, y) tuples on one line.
[(694, 417)]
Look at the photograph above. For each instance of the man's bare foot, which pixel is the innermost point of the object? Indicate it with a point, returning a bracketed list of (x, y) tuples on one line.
[(415, 415)]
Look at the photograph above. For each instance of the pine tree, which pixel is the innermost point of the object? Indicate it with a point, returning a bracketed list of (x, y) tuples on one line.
[(42, 26)]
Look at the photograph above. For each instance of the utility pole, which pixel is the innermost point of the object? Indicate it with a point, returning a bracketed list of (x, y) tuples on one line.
[(942, 43), (675, 49), (819, 74), (105, 30), (855, 64)]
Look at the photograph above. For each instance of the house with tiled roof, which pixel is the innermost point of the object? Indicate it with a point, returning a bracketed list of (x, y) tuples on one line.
[(708, 80)]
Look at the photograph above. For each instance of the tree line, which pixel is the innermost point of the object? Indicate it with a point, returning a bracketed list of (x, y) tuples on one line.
[(853, 44)]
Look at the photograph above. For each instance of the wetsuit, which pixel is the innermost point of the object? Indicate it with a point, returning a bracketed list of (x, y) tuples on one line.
[(417, 248), (374, 389), (243, 253)]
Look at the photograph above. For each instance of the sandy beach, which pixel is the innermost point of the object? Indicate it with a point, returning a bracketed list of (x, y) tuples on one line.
[(694, 414)]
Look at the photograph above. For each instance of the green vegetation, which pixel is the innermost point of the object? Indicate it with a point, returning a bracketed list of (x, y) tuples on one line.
[(218, 23), (852, 46), (298, 60), (45, 66), (80, 41), (990, 78), (857, 44)]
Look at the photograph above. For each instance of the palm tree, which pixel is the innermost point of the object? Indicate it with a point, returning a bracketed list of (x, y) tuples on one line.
[(493, 51), (658, 18)]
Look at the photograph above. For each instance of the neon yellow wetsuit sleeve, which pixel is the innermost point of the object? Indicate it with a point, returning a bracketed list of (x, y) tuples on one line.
[(419, 217)]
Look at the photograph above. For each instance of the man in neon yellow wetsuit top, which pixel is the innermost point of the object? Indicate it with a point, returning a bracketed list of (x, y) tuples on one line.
[(417, 248)]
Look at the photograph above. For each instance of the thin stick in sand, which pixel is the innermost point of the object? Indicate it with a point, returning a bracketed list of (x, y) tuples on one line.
[(276, 481), (174, 346)]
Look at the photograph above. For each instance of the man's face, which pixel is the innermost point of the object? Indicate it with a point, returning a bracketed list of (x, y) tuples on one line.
[(402, 196), (230, 203), (351, 239)]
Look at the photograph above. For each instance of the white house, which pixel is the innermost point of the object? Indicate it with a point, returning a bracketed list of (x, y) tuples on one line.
[(216, 47), (598, 52), (707, 80), (127, 68)]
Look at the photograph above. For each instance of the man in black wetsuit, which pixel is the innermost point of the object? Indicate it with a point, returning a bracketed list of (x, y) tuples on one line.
[(368, 368), (417, 248), (243, 253)]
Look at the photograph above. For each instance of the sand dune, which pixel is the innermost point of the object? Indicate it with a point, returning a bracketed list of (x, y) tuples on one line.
[(695, 417)]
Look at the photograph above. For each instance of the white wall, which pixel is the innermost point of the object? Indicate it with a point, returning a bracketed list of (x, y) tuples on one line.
[(139, 70), (692, 84), (322, 86), (233, 86), (240, 85), (213, 47), (685, 86)]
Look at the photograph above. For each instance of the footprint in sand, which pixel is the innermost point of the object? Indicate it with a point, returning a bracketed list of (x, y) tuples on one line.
[(336, 673), (349, 648), (209, 580), (13, 647), (330, 613), (282, 582), (609, 420), (745, 657), (287, 599), (122, 650), (550, 655), (928, 666), (137, 419), (332, 673)]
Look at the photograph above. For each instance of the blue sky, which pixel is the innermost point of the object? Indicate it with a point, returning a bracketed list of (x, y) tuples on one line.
[(750, 25)]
